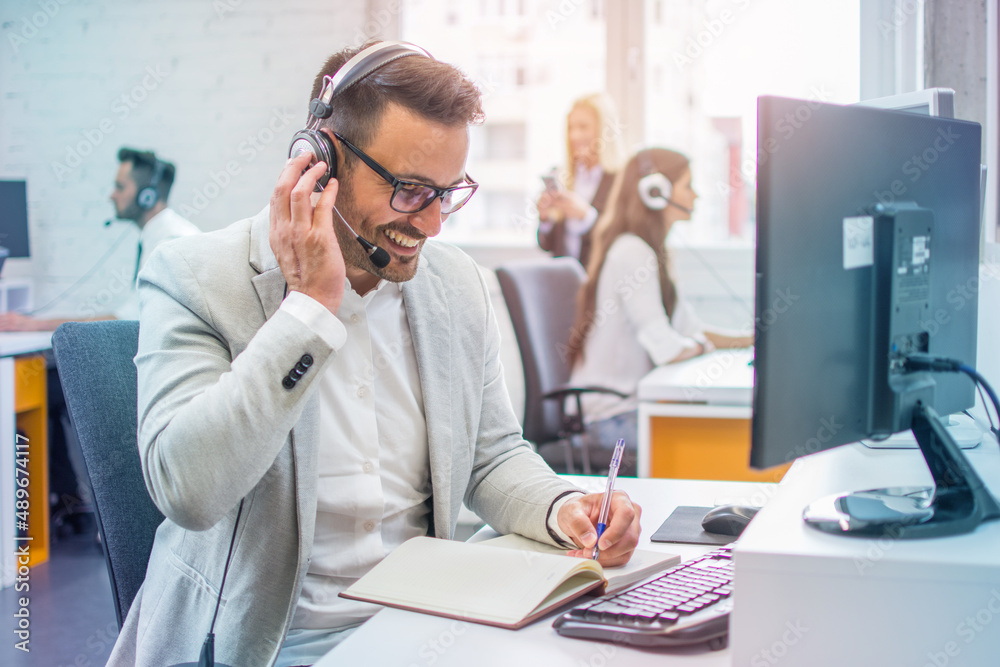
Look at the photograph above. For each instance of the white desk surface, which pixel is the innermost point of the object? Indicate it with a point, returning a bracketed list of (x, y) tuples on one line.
[(722, 377), (24, 342), (409, 639)]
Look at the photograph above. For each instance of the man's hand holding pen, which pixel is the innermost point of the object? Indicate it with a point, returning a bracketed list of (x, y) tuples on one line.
[(578, 518)]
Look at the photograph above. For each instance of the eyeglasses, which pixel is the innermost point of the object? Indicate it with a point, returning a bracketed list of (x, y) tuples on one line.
[(410, 196)]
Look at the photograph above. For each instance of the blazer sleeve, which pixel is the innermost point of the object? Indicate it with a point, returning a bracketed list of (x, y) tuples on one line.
[(211, 425)]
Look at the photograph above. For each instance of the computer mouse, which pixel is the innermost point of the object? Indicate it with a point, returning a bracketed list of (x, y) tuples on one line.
[(728, 519)]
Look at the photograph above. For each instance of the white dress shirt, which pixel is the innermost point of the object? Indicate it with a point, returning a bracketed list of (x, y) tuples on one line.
[(586, 180), (373, 470), (373, 484), (631, 332), (164, 226)]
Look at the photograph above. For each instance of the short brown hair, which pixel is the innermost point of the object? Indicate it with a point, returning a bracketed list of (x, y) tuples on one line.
[(435, 90)]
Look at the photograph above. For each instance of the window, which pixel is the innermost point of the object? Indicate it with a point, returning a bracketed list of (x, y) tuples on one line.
[(685, 75)]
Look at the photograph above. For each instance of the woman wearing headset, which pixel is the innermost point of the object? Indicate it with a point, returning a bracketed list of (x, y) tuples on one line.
[(630, 317), (567, 211)]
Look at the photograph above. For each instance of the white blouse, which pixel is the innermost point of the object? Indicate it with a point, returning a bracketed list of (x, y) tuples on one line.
[(631, 333)]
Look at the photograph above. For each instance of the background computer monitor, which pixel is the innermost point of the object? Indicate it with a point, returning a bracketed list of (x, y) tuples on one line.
[(928, 102), (819, 164), (811, 358), (14, 218), (822, 169)]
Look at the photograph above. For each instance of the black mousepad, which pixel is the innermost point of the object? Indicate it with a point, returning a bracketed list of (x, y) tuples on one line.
[(684, 526)]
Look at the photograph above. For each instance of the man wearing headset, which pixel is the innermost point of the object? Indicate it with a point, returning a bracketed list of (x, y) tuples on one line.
[(140, 193), (315, 401)]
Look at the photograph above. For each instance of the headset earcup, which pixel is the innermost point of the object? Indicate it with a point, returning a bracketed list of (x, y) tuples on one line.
[(655, 190), (322, 149), (147, 197)]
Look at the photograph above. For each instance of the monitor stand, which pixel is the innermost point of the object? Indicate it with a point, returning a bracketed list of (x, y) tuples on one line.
[(957, 503)]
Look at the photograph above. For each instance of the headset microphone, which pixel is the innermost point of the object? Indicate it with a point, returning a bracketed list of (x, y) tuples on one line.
[(671, 202), (378, 256)]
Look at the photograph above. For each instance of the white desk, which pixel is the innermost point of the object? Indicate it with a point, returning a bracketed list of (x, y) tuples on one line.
[(803, 598), (808, 598), (408, 639), (11, 345), (694, 419)]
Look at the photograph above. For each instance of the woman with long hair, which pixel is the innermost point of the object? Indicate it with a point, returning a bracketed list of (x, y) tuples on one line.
[(630, 316), (570, 204)]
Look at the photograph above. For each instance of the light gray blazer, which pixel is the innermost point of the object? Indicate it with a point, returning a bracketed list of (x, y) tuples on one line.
[(216, 426)]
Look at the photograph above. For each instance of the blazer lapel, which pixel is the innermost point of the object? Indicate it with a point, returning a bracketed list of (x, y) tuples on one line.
[(269, 281), (430, 327), (270, 285)]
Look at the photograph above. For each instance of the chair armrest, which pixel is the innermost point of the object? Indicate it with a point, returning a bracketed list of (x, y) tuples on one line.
[(564, 391)]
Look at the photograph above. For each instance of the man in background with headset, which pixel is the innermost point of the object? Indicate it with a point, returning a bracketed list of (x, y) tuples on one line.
[(140, 193), (315, 397)]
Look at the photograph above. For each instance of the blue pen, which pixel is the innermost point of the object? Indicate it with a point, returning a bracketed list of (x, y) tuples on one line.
[(602, 518)]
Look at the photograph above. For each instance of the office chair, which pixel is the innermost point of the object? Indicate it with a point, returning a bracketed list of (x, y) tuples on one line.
[(99, 383), (541, 297)]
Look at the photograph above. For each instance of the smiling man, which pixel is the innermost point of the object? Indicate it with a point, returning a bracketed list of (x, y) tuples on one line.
[(315, 410)]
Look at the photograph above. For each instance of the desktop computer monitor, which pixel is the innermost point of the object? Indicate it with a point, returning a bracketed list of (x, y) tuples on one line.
[(867, 252), (14, 217)]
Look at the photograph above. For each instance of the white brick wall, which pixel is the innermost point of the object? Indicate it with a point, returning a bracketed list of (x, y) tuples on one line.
[(216, 86)]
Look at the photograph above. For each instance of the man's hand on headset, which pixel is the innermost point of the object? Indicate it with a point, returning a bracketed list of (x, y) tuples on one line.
[(302, 236)]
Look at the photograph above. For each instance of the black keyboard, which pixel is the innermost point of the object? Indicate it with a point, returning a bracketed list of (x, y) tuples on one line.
[(688, 604)]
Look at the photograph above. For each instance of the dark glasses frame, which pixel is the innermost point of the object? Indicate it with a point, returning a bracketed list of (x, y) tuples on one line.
[(398, 184)]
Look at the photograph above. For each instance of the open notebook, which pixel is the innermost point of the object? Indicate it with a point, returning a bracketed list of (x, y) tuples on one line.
[(507, 582)]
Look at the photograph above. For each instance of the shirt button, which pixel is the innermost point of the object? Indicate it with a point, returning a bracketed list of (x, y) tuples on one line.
[(368, 467), (355, 319), (362, 392), (369, 525)]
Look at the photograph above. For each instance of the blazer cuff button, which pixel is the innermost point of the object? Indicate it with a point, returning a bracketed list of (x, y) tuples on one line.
[(288, 382)]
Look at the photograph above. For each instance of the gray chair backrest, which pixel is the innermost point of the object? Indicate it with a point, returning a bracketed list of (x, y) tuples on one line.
[(541, 297), (99, 382)]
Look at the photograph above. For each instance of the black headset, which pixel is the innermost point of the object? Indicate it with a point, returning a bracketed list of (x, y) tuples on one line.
[(148, 196), (311, 139)]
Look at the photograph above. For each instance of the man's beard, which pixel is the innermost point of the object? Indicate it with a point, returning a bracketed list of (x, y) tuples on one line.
[(400, 268), (132, 212)]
